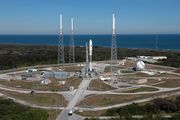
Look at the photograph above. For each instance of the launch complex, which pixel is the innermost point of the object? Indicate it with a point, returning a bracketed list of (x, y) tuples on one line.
[(89, 86)]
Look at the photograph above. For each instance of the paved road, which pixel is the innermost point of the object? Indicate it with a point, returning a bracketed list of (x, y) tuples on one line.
[(78, 96)]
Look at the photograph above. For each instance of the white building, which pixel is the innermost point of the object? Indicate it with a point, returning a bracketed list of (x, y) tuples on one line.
[(140, 65), (159, 57), (45, 81)]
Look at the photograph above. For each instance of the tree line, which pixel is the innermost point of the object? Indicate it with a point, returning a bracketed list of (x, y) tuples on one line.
[(13, 56)]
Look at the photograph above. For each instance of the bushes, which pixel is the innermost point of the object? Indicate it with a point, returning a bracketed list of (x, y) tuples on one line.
[(149, 111), (12, 56), (157, 107), (13, 111), (168, 106), (134, 109)]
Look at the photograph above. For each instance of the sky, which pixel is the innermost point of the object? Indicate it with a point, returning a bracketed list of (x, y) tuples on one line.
[(90, 16)]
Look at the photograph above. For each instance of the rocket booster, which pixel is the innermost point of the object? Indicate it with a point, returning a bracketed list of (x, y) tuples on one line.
[(90, 54), (90, 47)]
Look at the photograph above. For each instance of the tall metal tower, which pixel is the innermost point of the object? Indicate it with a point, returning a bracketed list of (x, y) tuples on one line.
[(61, 44), (113, 50), (71, 49), (113, 42)]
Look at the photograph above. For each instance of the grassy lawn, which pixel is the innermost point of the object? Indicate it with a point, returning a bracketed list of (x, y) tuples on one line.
[(53, 86), (53, 114), (177, 71), (158, 67), (137, 74), (72, 68), (153, 81), (127, 71), (140, 74), (108, 99), (19, 83), (47, 99), (169, 83), (92, 113), (142, 89), (129, 63), (105, 100), (107, 69), (99, 85)]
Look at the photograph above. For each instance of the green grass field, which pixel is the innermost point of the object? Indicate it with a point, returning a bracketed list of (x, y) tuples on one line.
[(142, 89), (53, 86), (45, 99), (99, 85), (169, 83)]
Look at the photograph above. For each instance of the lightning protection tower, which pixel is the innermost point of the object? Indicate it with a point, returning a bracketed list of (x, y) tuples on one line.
[(71, 49), (61, 44), (113, 42), (113, 50)]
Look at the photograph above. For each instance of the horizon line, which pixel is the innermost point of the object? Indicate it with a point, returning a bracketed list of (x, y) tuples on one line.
[(103, 34)]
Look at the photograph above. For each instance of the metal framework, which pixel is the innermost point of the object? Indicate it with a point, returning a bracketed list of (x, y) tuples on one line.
[(113, 50), (113, 42), (71, 49), (61, 45)]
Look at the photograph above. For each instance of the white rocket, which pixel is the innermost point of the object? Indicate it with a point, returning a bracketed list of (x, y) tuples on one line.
[(90, 54)]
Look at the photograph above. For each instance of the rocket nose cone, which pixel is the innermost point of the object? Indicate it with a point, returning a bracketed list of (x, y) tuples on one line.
[(90, 42)]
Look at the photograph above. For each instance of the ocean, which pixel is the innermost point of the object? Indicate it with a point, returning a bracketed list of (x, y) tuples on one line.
[(164, 42)]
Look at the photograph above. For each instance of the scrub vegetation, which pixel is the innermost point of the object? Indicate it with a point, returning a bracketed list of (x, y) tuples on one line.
[(13, 56), (10, 110), (154, 110)]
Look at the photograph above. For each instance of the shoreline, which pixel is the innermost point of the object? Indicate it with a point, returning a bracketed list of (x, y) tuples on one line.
[(50, 45)]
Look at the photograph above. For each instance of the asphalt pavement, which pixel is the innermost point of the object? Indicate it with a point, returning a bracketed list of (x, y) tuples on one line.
[(78, 96)]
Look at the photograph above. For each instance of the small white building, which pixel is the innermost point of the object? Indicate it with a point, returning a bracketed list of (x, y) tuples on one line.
[(159, 57), (31, 70), (104, 78), (45, 81)]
